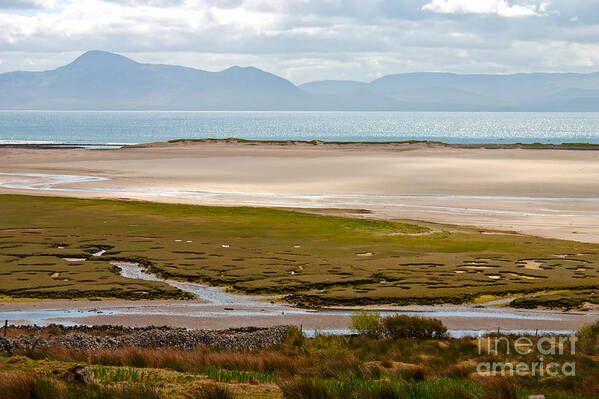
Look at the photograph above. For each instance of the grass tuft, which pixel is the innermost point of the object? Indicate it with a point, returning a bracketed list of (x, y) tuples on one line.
[(214, 391)]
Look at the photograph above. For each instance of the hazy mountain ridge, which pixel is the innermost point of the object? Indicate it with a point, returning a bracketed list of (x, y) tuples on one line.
[(535, 91), (101, 80)]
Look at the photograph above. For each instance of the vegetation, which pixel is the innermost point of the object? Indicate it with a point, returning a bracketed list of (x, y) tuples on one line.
[(124, 374), (31, 386), (47, 248), (397, 326), (326, 367), (367, 323), (536, 145), (443, 388), (562, 299), (211, 392), (589, 339), (248, 377)]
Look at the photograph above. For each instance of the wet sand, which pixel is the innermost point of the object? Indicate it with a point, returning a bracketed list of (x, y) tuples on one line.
[(550, 193)]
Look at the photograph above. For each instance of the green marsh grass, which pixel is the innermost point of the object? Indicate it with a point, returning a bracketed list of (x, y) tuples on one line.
[(443, 388), (128, 374), (310, 259), (247, 377)]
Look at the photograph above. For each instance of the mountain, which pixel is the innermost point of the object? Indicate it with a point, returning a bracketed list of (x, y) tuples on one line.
[(518, 91), (453, 92), (333, 86), (102, 80)]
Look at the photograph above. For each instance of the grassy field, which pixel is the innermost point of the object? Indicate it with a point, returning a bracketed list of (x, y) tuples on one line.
[(325, 367), (47, 246), (561, 299)]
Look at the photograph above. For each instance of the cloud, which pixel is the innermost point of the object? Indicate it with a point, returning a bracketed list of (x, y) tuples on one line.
[(25, 4), (310, 39), (152, 3), (498, 7)]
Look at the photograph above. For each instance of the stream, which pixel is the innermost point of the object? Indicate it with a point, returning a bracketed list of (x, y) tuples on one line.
[(215, 302)]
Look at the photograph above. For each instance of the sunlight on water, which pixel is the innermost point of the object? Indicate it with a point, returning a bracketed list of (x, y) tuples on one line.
[(451, 127)]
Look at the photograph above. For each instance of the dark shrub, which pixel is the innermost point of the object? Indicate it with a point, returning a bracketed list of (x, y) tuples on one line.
[(387, 363), (400, 326), (367, 323), (416, 373)]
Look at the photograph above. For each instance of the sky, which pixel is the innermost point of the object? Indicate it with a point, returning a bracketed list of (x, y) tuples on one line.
[(305, 40)]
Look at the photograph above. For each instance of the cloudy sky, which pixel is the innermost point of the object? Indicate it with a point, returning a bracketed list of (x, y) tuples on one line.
[(305, 40)]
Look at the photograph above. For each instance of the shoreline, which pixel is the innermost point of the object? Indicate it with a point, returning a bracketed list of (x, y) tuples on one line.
[(580, 146), (191, 314), (490, 145)]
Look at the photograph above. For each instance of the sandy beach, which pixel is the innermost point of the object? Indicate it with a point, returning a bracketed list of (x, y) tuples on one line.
[(549, 193)]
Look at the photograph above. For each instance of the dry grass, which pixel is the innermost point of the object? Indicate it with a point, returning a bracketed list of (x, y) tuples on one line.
[(214, 391), (367, 358), (195, 361), (35, 386)]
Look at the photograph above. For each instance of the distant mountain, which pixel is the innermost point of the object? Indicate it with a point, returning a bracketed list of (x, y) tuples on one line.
[(535, 91), (101, 80), (333, 86), (452, 92)]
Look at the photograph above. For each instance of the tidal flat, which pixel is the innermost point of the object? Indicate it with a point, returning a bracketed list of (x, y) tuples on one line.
[(65, 248)]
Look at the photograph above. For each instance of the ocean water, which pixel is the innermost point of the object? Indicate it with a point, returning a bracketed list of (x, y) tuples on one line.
[(452, 127)]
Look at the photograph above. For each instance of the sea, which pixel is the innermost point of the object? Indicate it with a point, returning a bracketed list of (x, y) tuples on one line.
[(133, 127)]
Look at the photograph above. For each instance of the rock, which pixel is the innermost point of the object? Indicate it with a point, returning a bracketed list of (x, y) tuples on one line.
[(28, 344), (85, 342), (79, 374), (7, 347), (150, 337)]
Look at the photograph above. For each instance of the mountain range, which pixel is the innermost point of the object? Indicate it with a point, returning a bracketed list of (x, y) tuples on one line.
[(99, 80)]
